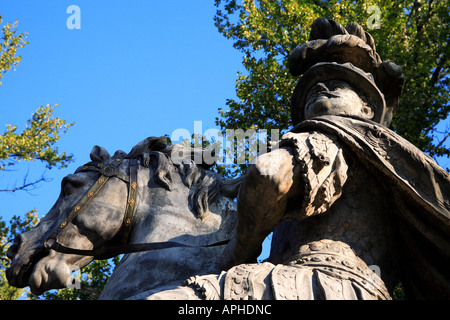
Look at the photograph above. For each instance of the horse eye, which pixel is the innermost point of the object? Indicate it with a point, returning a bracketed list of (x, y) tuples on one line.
[(68, 185)]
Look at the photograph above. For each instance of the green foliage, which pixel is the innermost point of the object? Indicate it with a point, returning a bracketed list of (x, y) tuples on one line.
[(414, 34), (11, 42), (36, 142)]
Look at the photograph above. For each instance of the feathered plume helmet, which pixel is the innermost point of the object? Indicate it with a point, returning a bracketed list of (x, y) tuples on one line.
[(349, 54)]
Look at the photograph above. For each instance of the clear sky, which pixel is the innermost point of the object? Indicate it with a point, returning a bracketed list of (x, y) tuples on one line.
[(135, 69)]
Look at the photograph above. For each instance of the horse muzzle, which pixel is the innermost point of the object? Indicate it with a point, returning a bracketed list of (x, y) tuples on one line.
[(22, 262)]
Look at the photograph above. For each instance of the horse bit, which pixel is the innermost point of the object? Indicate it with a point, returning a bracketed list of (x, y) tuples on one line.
[(108, 171)]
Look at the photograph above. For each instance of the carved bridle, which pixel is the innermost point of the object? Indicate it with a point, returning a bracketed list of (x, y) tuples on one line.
[(108, 171)]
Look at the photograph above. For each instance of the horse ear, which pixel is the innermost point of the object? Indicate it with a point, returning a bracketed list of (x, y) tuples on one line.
[(156, 143), (149, 144), (99, 154)]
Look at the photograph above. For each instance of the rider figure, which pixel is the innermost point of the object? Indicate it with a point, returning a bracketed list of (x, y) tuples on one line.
[(335, 187)]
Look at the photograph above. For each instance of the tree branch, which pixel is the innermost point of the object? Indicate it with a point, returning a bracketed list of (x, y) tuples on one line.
[(26, 185), (440, 65), (443, 140)]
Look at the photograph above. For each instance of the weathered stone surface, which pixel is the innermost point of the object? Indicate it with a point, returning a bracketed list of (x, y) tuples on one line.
[(342, 193)]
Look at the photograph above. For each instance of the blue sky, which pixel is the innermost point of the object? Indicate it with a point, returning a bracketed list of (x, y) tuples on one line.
[(135, 69)]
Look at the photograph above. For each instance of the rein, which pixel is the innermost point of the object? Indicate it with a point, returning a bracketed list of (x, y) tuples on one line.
[(109, 252), (106, 172)]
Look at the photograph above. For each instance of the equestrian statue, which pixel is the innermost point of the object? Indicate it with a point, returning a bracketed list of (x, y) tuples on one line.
[(342, 193)]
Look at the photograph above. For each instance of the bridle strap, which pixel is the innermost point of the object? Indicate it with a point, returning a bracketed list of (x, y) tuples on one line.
[(132, 200), (98, 185), (109, 252)]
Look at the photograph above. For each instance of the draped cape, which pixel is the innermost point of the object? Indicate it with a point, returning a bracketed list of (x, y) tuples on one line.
[(419, 191)]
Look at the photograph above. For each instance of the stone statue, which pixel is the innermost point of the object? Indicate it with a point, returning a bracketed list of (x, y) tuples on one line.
[(354, 208), (344, 195)]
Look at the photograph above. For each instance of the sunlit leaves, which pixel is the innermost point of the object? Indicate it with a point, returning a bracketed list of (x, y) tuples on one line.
[(36, 142), (9, 44)]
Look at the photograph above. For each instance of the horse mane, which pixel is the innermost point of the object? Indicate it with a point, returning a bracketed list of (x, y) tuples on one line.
[(204, 185)]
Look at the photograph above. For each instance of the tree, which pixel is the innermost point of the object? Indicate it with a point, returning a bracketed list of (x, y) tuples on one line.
[(36, 143), (414, 34)]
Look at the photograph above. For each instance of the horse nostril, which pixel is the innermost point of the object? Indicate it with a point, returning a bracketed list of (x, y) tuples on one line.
[(12, 250)]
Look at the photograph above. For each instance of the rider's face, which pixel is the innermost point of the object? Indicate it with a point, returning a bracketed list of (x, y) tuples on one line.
[(335, 97)]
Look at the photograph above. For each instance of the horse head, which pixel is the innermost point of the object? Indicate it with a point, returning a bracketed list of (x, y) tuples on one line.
[(118, 200)]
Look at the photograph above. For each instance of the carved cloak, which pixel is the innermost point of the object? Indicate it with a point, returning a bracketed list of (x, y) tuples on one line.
[(420, 190)]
